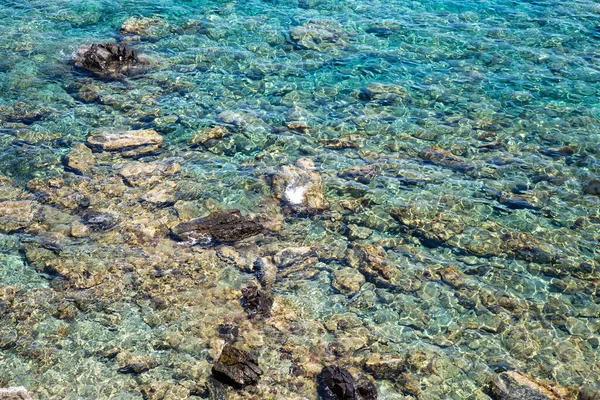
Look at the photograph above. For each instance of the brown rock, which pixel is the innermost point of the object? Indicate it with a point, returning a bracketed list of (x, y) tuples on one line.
[(371, 260), (348, 280), (237, 367), (162, 194), (438, 156), (300, 188), (363, 174), (515, 385), (129, 143), (16, 215), (79, 230), (384, 93), (148, 173), (319, 35), (227, 226), (299, 126), (207, 136), (80, 159), (149, 27)]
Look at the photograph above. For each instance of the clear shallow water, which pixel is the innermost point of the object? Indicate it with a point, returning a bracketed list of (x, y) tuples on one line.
[(503, 87)]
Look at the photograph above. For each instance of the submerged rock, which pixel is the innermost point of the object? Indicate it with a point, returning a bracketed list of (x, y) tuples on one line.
[(237, 367), (80, 159), (336, 383), (128, 143), (109, 59), (384, 93), (256, 302), (515, 385), (228, 332), (363, 173), (15, 393), (208, 137), (98, 221), (300, 187), (318, 35), (438, 156), (15, 215), (592, 187), (148, 173), (348, 280), (228, 226), (151, 28)]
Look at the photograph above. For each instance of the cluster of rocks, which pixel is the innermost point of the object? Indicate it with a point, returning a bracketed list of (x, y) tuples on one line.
[(100, 235)]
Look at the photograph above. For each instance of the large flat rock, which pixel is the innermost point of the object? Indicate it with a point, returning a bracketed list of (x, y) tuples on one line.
[(129, 143)]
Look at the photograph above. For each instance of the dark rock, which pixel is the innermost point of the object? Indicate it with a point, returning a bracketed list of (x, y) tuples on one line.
[(228, 226), (228, 332), (108, 59), (592, 187), (366, 390), (137, 368), (336, 383), (215, 390), (256, 302), (236, 367), (98, 221)]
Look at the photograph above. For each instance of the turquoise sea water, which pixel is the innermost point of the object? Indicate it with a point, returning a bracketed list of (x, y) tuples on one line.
[(479, 123)]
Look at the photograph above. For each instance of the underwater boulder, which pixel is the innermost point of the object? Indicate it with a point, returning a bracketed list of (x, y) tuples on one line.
[(438, 156), (300, 187), (98, 221), (592, 187), (515, 385), (256, 302), (79, 160), (15, 393), (384, 93), (145, 28), (319, 35), (237, 367), (348, 280), (134, 143), (336, 383), (228, 226), (111, 60), (15, 215)]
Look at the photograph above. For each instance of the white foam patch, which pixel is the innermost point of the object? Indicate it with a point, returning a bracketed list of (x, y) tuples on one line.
[(295, 194)]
